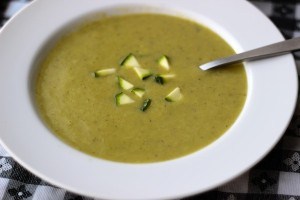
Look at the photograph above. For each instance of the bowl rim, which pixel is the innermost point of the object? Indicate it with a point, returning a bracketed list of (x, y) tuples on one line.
[(270, 91)]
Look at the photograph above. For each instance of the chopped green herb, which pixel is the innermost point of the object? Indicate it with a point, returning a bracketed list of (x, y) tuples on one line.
[(146, 105), (159, 79)]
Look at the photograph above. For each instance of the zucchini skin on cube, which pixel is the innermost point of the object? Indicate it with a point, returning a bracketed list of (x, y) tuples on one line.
[(123, 99)]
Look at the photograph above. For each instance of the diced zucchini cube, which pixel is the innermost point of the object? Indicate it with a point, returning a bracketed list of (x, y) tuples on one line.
[(174, 95)]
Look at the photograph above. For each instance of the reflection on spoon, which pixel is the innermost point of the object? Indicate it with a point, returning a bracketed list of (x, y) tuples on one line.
[(255, 54)]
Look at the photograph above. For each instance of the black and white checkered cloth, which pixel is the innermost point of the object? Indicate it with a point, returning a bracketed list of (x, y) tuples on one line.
[(276, 177)]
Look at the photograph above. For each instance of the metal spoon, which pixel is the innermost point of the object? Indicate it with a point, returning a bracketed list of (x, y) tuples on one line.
[(255, 54)]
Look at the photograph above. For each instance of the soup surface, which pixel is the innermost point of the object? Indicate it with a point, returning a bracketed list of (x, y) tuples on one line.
[(100, 116)]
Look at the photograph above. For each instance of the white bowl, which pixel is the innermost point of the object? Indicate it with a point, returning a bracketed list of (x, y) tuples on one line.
[(271, 100)]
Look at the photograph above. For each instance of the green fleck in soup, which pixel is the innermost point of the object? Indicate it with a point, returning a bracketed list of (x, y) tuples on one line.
[(128, 88)]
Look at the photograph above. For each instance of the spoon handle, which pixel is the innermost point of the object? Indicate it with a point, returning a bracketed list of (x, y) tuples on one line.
[(259, 53)]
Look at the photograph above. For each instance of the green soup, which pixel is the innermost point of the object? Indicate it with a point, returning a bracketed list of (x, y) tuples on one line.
[(81, 109)]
